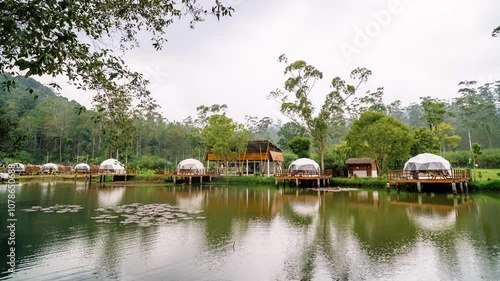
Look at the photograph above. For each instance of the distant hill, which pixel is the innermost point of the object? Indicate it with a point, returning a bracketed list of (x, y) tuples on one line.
[(23, 97)]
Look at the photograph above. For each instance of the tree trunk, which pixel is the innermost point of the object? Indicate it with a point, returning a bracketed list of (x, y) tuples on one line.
[(474, 169), (60, 148), (93, 146), (137, 145), (322, 155), (78, 150), (470, 146)]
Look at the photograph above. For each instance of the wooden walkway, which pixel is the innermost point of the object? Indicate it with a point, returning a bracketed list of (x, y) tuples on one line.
[(461, 177), (304, 178), (190, 175), (101, 177)]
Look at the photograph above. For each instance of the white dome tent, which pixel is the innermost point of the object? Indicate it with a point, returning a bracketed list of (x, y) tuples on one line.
[(82, 168), (18, 167), (304, 166), (191, 166), (111, 166), (427, 162), (49, 168)]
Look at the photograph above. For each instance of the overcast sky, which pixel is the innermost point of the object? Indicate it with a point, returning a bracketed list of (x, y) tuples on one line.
[(414, 49)]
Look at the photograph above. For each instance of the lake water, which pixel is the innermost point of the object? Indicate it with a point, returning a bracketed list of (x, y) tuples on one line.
[(249, 233)]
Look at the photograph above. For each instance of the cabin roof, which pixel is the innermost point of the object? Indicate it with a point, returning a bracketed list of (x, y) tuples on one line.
[(277, 156), (358, 161), (258, 146), (257, 150)]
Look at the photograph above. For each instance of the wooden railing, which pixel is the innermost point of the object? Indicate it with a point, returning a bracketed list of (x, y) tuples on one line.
[(303, 173), (419, 175), (190, 172)]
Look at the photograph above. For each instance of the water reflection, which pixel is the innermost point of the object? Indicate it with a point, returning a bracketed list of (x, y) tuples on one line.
[(258, 233), (432, 213), (109, 197)]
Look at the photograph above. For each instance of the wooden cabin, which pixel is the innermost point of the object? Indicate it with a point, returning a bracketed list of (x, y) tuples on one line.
[(362, 167), (261, 156)]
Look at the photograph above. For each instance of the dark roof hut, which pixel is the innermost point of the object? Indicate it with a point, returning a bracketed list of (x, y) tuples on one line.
[(362, 167)]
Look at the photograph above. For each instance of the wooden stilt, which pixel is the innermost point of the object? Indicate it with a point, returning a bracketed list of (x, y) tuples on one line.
[(419, 187), (388, 186), (454, 188), (462, 187)]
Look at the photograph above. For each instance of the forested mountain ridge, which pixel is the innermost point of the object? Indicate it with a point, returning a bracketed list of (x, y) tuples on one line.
[(40, 126)]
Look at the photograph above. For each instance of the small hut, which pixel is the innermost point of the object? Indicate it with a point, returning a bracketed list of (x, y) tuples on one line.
[(111, 166), (82, 168), (49, 168), (190, 166), (303, 166), (362, 167)]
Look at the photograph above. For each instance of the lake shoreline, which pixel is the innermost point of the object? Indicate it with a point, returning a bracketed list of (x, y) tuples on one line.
[(492, 185)]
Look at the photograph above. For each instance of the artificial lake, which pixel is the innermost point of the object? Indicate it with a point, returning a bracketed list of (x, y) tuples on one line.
[(73, 231)]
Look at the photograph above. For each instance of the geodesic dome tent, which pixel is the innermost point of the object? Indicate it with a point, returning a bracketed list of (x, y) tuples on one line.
[(49, 168), (427, 162), (191, 166), (304, 166), (18, 167), (111, 166), (82, 168)]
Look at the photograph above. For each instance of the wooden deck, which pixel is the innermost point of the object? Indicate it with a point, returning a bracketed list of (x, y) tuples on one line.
[(460, 176), (101, 177), (190, 175), (301, 178)]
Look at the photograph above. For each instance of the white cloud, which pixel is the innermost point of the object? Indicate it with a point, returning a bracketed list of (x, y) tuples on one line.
[(424, 50)]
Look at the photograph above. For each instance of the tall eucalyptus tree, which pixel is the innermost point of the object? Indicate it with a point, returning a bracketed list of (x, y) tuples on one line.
[(296, 99)]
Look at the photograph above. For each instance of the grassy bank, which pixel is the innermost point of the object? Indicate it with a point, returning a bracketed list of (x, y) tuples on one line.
[(489, 180), (485, 185), (485, 174), (359, 182)]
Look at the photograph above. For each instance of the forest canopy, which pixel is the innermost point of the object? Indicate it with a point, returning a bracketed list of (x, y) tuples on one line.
[(48, 129), (73, 39)]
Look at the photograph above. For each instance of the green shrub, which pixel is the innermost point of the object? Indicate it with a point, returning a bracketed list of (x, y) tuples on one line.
[(490, 158), (244, 180), (485, 185)]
